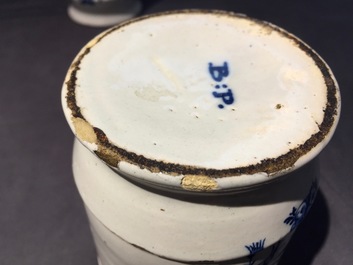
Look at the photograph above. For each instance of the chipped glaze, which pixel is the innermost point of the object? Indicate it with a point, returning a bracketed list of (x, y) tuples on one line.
[(195, 135), (189, 107)]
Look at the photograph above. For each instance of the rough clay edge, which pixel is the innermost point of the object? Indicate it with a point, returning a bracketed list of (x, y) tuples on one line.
[(113, 155)]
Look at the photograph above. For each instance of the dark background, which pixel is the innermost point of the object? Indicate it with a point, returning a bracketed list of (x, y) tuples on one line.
[(42, 220)]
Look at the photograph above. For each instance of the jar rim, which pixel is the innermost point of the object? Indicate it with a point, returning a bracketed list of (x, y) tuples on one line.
[(188, 176)]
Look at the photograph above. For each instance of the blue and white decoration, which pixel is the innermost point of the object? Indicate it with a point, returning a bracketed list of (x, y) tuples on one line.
[(297, 215), (222, 90), (257, 247), (254, 248)]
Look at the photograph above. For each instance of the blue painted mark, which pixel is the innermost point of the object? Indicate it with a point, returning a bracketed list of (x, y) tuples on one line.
[(297, 215), (259, 247), (219, 73), (254, 248), (218, 86), (226, 96)]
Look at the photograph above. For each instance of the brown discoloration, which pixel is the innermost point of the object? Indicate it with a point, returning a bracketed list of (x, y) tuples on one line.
[(279, 106), (71, 86), (108, 156), (113, 154)]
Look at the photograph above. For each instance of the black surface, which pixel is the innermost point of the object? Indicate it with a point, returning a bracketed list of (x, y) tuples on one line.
[(42, 219)]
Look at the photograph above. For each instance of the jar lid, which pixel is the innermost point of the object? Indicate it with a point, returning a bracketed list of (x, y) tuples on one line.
[(201, 100)]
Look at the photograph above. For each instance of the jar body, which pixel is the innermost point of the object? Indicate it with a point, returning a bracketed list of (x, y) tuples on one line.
[(133, 225)]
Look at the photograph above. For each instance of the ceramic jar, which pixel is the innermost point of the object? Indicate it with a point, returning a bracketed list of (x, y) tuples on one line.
[(102, 13), (196, 132)]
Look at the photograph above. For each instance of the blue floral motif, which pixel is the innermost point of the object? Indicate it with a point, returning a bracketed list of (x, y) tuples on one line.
[(254, 248), (257, 247), (297, 215)]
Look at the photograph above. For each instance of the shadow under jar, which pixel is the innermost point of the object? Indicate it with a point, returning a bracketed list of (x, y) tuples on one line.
[(196, 133)]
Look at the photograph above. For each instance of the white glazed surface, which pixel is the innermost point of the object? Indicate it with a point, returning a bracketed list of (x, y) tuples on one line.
[(150, 91), (157, 100), (186, 230), (112, 250)]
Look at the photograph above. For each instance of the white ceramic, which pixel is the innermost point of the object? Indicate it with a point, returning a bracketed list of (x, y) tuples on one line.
[(102, 13), (196, 131)]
